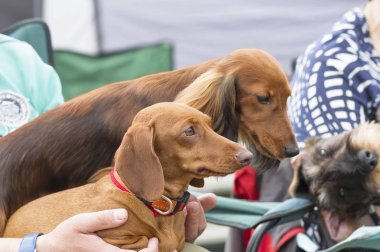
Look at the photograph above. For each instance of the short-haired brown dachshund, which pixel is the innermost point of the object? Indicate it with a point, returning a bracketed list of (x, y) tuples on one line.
[(342, 175), (166, 147), (244, 92)]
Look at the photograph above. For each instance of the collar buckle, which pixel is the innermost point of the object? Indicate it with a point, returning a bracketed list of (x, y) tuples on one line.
[(167, 212)]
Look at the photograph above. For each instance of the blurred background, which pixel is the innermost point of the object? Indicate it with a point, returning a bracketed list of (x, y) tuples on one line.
[(196, 30), (96, 42)]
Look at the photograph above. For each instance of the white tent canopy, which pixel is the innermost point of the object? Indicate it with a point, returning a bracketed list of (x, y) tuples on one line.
[(199, 29)]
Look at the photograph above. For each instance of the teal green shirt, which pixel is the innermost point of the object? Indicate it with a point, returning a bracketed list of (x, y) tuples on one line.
[(28, 86)]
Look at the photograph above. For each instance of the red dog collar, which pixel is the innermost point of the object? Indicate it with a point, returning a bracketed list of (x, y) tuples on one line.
[(163, 206)]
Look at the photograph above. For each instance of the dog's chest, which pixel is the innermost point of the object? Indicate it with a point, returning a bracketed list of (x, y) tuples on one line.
[(143, 224), (171, 232)]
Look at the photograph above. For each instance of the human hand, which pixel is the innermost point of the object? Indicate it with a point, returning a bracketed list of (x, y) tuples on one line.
[(78, 233), (195, 222)]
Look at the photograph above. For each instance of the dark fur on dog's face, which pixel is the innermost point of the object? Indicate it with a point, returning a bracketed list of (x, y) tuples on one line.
[(341, 173)]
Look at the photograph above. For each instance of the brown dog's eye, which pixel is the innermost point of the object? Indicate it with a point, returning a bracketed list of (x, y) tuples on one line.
[(264, 99), (190, 131)]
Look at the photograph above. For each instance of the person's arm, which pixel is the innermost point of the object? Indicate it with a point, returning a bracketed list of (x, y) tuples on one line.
[(29, 76), (45, 86), (9, 244), (78, 234), (51, 84)]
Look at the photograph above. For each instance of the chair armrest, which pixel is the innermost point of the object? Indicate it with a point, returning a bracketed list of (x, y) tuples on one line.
[(287, 211), (237, 213), (363, 237)]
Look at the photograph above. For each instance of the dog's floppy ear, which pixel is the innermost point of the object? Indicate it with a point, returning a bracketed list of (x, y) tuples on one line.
[(214, 94), (138, 165), (298, 187)]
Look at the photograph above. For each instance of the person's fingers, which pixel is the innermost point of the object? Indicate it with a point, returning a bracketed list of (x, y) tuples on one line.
[(192, 198), (208, 201), (92, 222), (193, 221), (152, 245)]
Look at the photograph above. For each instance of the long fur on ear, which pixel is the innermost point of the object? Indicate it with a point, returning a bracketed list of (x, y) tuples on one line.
[(298, 187), (3, 218), (138, 165), (214, 93)]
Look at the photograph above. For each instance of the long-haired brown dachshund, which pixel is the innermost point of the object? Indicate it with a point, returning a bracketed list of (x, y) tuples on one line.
[(166, 147), (245, 94)]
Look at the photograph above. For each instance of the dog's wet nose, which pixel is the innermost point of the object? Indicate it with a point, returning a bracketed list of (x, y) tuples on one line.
[(291, 151), (368, 160), (244, 157)]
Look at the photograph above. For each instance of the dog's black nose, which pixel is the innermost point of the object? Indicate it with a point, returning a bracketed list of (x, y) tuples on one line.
[(244, 157), (368, 160), (291, 151)]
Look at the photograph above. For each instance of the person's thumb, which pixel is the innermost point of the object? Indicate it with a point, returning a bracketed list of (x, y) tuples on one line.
[(96, 221)]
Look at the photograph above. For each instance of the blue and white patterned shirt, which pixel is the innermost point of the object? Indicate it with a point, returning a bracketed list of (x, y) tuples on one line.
[(336, 85)]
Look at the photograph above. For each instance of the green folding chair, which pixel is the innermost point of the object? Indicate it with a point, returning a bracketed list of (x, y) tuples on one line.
[(81, 73), (262, 216), (36, 33)]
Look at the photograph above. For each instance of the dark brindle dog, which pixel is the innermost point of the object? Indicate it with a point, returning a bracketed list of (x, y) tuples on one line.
[(342, 174)]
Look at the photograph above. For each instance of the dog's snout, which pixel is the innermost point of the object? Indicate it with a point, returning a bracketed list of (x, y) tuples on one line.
[(291, 151), (368, 160), (244, 157)]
